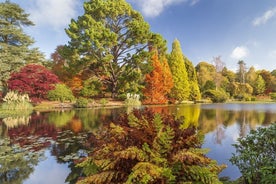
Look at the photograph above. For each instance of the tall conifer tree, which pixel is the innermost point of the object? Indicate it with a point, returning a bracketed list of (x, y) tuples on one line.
[(158, 81), (181, 88), (14, 43)]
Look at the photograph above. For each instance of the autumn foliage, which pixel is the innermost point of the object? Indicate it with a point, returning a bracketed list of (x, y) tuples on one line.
[(144, 147), (158, 82), (35, 80)]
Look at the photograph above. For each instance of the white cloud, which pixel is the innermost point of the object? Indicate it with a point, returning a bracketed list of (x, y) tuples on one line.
[(240, 53), (54, 13), (153, 8), (265, 17)]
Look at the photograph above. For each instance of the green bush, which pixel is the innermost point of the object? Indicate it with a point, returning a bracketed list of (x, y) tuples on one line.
[(217, 96), (61, 93), (16, 101), (273, 96), (103, 101), (256, 156), (81, 103)]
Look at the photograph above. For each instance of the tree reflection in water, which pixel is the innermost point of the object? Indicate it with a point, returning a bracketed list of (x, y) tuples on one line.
[(67, 134)]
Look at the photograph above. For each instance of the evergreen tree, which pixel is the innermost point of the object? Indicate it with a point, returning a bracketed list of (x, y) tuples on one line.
[(194, 88), (181, 88), (14, 43), (110, 39)]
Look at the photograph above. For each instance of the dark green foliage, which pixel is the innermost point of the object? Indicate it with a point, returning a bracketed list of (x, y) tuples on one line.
[(81, 102), (15, 49), (110, 40), (91, 87), (61, 93), (256, 156), (143, 147), (217, 96)]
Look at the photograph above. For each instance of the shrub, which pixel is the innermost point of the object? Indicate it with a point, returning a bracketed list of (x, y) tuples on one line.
[(81, 103), (256, 156), (217, 96), (143, 147), (132, 99), (273, 96), (103, 101), (16, 101), (61, 93), (35, 80)]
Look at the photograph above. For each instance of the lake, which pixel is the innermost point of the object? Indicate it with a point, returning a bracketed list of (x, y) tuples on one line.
[(43, 147)]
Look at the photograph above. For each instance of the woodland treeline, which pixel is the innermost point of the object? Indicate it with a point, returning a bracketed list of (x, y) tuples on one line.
[(113, 53)]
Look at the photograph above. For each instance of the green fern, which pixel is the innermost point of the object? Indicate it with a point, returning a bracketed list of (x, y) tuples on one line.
[(143, 147)]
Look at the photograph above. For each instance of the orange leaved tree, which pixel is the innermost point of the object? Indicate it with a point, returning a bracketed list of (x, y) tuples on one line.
[(158, 82)]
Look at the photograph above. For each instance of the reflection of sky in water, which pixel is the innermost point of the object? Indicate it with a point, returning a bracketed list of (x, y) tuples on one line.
[(266, 107), (49, 172), (222, 152)]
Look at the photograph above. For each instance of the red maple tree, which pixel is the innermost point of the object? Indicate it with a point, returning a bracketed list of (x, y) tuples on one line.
[(33, 79)]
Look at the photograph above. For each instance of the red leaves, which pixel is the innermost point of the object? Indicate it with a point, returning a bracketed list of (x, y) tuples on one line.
[(35, 80)]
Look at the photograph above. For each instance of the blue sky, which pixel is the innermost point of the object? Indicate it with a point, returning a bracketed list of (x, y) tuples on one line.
[(232, 29)]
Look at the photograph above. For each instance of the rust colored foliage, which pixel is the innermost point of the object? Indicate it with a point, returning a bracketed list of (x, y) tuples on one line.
[(158, 82), (33, 79), (75, 84), (59, 65), (144, 147)]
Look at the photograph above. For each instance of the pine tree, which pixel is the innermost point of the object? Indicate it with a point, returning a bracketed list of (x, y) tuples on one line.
[(181, 88), (14, 43), (110, 40)]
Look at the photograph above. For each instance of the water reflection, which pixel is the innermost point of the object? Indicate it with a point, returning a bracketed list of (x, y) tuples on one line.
[(66, 135)]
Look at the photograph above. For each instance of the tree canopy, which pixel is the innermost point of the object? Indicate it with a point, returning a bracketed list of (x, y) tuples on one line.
[(15, 49), (109, 39), (181, 88)]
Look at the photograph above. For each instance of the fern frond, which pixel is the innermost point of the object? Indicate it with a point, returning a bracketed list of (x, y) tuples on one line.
[(191, 156), (131, 153), (158, 122), (117, 131), (163, 140), (200, 174), (106, 164), (144, 172), (102, 178)]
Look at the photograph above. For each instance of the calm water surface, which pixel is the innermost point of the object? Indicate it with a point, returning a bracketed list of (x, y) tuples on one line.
[(43, 147)]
